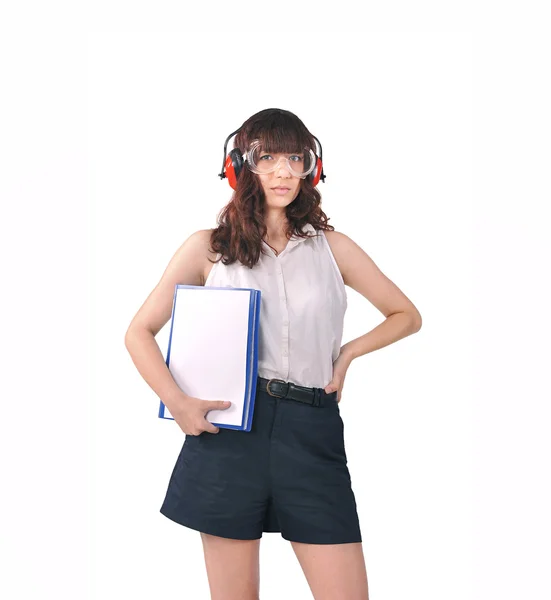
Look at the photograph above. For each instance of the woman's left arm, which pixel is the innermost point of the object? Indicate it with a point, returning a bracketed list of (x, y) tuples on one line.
[(361, 274)]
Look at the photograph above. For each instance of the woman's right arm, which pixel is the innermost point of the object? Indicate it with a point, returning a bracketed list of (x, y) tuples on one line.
[(185, 267)]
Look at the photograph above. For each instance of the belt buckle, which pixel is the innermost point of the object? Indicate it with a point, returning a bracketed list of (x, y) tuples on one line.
[(268, 387)]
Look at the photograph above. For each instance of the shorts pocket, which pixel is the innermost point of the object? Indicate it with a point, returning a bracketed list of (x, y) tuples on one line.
[(317, 433), (190, 450)]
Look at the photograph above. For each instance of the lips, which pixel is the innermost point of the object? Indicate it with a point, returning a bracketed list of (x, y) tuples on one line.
[(281, 188)]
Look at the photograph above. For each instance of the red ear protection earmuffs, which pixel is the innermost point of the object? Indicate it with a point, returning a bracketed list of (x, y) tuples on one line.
[(233, 164)]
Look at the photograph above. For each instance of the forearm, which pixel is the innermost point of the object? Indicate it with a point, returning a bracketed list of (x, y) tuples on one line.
[(148, 359), (393, 328)]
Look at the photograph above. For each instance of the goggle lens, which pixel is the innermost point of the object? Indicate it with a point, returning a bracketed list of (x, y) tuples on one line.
[(299, 164)]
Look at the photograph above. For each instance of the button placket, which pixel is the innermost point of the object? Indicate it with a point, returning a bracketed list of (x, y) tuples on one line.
[(285, 320)]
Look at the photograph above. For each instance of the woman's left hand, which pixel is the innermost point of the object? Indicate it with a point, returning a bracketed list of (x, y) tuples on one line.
[(340, 367)]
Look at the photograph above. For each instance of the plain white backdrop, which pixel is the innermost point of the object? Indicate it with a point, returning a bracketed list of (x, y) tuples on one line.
[(116, 140), (156, 131)]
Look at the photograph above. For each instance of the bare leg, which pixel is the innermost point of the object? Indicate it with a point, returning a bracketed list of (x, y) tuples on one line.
[(334, 571), (233, 568)]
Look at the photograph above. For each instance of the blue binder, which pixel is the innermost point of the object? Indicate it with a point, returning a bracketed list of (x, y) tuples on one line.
[(213, 349)]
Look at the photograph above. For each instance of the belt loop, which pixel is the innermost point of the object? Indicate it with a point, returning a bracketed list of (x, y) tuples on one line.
[(317, 394)]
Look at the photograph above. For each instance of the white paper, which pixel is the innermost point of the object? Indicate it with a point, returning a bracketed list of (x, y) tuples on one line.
[(208, 348)]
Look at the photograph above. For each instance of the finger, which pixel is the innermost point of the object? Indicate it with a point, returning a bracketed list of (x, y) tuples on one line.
[(210, 428), (216, 404)]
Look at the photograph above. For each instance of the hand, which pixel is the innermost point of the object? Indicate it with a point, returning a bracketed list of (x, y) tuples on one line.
[(189, 413), (340, 367)]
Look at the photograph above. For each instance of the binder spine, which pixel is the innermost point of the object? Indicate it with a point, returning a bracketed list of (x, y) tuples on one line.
[(167, 360)]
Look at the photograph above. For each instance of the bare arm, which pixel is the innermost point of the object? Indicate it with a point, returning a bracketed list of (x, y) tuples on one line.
[(148, 359), (363, 275), (185, 267)]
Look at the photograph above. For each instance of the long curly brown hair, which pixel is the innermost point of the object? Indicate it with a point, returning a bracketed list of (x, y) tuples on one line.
[(241, 225)]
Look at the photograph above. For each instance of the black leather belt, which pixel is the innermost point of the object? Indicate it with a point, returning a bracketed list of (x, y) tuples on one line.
[(291, 391)]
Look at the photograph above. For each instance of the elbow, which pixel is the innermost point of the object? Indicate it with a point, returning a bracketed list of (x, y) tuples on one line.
[(127, 340), (133, 333), (129, 336), (417, 321)]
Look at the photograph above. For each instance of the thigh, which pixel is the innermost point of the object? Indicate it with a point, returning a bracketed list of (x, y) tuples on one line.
[(334, 571), (232, 567), (220, 484), (312, 486)]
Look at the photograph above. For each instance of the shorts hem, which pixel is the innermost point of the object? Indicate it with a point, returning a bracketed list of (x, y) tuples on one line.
[(204, 527), (324, 541)]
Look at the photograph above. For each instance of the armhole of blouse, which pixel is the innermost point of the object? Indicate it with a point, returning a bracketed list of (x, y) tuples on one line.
[(330, 252), (213, 267)]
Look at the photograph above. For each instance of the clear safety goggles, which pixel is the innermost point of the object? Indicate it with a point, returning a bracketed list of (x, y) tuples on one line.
[(261, 162)]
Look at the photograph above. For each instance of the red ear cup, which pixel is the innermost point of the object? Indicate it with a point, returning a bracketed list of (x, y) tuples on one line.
[(314, 176), (233, 166), (230, 173)]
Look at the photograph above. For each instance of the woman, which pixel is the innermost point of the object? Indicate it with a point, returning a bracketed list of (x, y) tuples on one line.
[(289, 473)]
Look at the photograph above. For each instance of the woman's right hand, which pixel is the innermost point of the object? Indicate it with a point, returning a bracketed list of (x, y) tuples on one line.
[(189, 413)]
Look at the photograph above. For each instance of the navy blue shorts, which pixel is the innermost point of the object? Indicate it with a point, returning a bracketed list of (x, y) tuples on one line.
[(288, 474)]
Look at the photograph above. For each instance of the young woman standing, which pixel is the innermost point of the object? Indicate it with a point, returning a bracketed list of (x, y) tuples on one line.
[(288, 474)]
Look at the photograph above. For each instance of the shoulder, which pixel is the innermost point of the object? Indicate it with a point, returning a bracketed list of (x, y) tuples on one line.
[(343, 249), (199, 250), (337, 240), (201, 239)]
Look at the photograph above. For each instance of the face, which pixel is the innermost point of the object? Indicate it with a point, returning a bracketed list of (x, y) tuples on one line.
[(281, 177)]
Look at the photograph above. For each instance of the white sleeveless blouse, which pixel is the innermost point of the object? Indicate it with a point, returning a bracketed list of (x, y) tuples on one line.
[(302, 306)]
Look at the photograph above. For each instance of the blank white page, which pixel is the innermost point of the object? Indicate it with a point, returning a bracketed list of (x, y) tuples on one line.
[(208, 347)]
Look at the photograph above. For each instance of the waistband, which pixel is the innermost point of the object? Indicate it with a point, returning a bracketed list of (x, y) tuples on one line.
[(290, 391)]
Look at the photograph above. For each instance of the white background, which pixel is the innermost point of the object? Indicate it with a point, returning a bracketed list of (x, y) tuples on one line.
[(434, 124)]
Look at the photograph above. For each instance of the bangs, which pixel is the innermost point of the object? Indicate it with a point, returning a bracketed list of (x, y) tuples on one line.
[(278, 131), (278, 141)]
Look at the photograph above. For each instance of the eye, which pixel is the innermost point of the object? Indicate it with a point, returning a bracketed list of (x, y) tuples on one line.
[(292, 157)]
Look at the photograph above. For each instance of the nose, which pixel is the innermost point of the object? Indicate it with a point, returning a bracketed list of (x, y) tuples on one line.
[(282, 167)]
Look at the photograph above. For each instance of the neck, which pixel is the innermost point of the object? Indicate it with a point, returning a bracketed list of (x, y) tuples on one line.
[(276, 226)]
